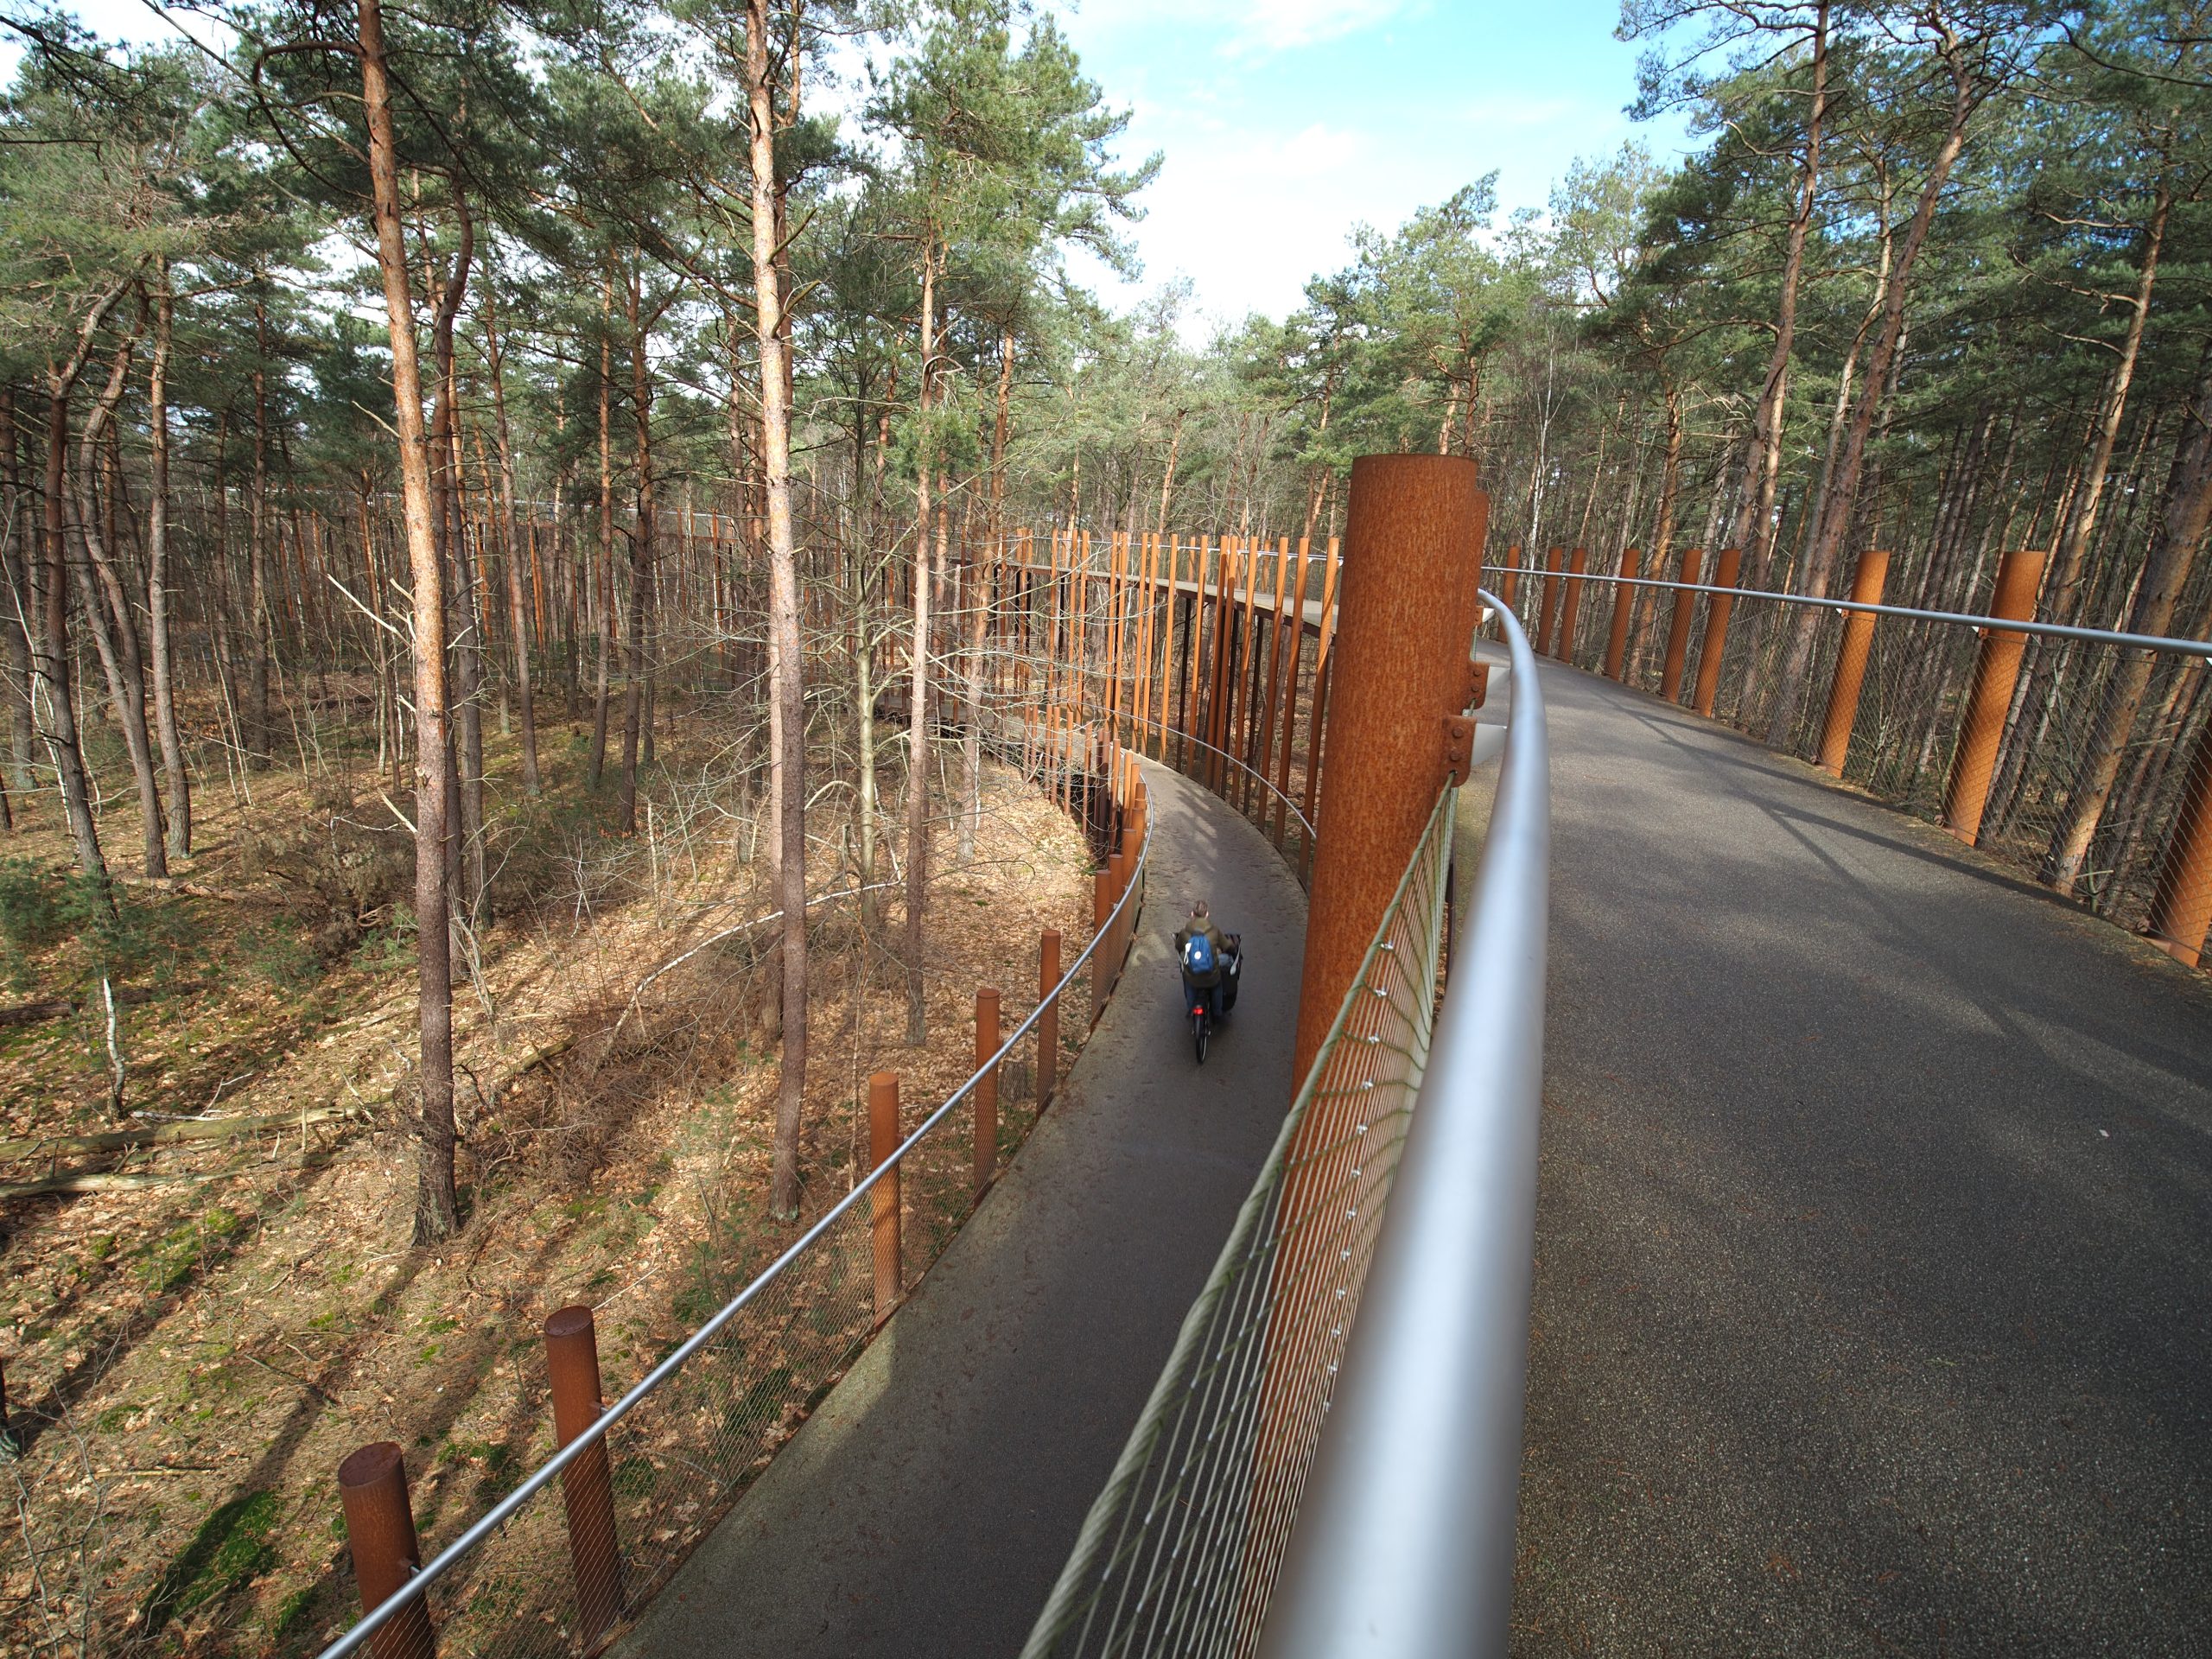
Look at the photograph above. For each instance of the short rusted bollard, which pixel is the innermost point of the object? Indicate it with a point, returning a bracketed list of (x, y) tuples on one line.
[(987, 1087), (1101, 906), (1996, 671), (380, 1532), (1570, 606), (2181, 909), (1678, 630), (1716, 632), (882, 1141), (1851, 662), (1548, 604), (1048, 1021), (1624, 609), (572, 1366)]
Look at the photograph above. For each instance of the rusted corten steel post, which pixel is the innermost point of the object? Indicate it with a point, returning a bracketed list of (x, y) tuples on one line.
[(1624, 609), (1678, 629), (1996, 671), (1405, 627), (2181, 909), (572, 1368), (1509, 581), (883, 1208), (1314, 735), (1716, 632), (380, 1533), (1570, 606), (1851, 661), (1048, 1018), (987, 1086), (1277, 827), (1548, 604)]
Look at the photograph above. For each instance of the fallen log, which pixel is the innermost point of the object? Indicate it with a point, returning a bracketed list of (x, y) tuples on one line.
[(163, 1135), (61, 1007), (189, 1130)]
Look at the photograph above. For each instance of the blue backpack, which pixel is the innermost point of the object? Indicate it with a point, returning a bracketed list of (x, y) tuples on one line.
[(1197, 955)]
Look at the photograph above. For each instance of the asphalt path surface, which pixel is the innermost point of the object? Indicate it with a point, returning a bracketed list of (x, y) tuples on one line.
[(927, 1507), (1873, 1307)]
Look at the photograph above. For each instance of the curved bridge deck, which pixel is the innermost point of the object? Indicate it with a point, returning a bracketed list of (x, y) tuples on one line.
[(1874, 1254), (928, 1505)]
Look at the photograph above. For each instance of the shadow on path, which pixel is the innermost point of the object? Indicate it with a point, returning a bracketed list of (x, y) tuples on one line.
[(1874, 1302)]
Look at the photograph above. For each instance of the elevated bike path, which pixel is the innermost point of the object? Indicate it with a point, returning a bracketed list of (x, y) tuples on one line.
[(929, 1503), (1873, 1307)]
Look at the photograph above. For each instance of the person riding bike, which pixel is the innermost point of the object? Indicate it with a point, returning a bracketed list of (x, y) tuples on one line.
[(1205, 955)]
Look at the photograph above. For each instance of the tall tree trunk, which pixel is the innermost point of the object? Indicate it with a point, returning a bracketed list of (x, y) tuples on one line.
[(175, 774), (437, 1210), (51, 655), (495, 357), (1836, 510), (2165, 572), (466, 841), (917, 719), (2073, 547), (603, 571), (1753, 530), (107, 612), (17, 624), (980, 577), (788, 691), (256, 707), (635, 662)]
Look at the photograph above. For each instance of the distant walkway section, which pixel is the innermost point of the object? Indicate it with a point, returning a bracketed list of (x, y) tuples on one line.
[(929, 1505), (1873, 1307)]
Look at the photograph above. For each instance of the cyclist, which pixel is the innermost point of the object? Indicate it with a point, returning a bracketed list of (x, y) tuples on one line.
[(1203, 952)]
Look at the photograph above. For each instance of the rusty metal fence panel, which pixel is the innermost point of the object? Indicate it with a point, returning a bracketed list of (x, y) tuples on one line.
[(1179, 1552)]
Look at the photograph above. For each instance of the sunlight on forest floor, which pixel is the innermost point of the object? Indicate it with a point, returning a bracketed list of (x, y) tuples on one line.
[(191, 1350)]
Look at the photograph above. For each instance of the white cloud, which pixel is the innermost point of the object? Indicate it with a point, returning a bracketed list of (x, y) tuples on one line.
[(1240, 28), (1284, 25)]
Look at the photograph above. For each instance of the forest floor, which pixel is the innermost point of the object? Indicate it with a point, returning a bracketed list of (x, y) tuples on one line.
[(193, 1345)]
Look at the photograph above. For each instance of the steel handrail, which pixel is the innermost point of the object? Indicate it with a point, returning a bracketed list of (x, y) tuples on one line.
[(1167, 731), (1404, 1541), (497, 1517), (1968, 618)]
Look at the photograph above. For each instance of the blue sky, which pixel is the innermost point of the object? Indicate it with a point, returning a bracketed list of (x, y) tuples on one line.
[(1285, 123)]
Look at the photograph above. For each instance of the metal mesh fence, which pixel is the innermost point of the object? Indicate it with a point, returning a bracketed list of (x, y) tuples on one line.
[(1178, 1554), (2083, 764)]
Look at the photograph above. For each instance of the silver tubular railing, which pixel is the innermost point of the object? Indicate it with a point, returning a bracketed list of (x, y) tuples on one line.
[(1329, 1461), (2164, 644), (1404, 1544), (1179, 1551)]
